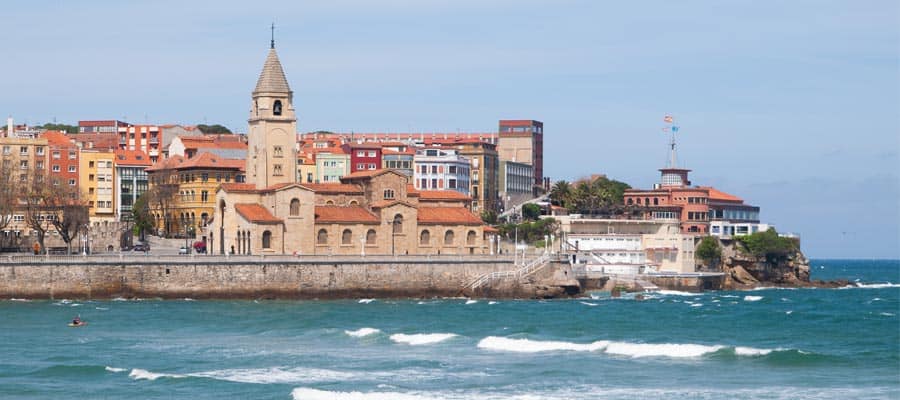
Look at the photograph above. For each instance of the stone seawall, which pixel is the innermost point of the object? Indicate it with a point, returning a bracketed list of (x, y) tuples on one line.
[(205, 279)]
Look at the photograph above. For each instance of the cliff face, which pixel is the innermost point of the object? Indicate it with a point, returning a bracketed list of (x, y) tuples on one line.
[(744, 271)]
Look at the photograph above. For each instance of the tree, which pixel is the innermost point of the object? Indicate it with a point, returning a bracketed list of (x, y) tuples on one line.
[(70, 214), (489, 217), (9, 200), (161, 197), (141, 217), (35, 189), (561, 194), (709, 250), (600, 196), (531, 211), (211, 129), (59, 127), (768, 244)]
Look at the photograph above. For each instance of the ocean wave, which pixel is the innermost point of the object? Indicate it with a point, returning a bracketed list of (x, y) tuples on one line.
[(535, 346), (753, 298), (633, 350), (886, 314), (142, 374), (471, 301), (22, 300), (589, 304), (492, 302), (858, 285), (365, 301), (275, 375), (315, 394), (113, 369), (362, 332), (677, 293), (421, 338), (697, 305)]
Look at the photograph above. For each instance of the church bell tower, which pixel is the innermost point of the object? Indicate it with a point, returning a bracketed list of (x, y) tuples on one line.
[(272, 133)]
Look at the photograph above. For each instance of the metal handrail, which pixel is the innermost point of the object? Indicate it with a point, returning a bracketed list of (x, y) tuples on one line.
[(526, 270)]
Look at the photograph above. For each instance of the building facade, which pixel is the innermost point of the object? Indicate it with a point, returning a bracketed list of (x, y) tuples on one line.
[(97, 181), (63, 161), (130, 180), (523, 141), (441, 169), (143, 138), (366, 212), (364, 156), (516, 183)]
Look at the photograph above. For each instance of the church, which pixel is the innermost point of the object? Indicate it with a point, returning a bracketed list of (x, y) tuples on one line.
[(368, 212)]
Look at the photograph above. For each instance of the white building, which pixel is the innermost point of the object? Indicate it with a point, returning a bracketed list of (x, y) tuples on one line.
[(441, 169)]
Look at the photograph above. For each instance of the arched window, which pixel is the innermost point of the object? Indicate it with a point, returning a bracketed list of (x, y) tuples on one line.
[(646, 201), (656, 201), (295, 207), (276, 109), (470, 238), (329, 203), (346, 237), (267, 240), (630, 202), (370, 236), (322, 237), (354, 202), (398, 224), (448, 237), (425, 237)]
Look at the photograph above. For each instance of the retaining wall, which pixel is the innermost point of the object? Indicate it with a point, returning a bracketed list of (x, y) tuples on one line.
[(203, 279)]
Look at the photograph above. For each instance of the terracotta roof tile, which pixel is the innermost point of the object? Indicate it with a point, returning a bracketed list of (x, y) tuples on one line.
[(256, 213), (348, 214), (447, 216), (202, 160), (715, 194), (238, 187), (436, 195), (134, 158), (334, 188)]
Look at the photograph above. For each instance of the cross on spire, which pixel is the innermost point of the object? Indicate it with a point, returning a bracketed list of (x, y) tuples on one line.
[(272, 45)]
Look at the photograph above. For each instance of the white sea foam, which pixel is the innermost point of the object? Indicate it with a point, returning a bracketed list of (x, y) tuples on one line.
[(276, 375), (362, 332), (75, 305), (471, 301), (15, 299), (886, 314), (673, 350), (113, 369), (143, 374), (715, 301), (101, 308), (315, 394), (753, 298), (675, 293), (789, 312), (871, 285), (535, 346), (492, 302), (119, 299), (750, 351), (421, 338), (188, 299), (697, 305), (589, 304), (730, 296), (365, 301)]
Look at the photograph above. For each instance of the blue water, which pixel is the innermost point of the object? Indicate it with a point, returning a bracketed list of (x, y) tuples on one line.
[(763, 344)]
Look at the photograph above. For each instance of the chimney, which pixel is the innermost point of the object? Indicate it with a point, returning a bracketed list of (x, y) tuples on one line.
[(9, 126)]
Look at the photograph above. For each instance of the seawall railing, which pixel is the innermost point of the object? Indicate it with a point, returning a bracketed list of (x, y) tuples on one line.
[(141, 258)]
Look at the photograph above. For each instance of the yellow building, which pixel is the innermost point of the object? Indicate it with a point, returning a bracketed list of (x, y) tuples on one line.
[(183, 190), (97, 181), (306, 168)]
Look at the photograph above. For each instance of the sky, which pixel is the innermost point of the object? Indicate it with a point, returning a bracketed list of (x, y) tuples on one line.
[(793, 106)]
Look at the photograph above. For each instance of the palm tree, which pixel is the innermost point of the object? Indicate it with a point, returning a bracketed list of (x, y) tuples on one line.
[(561, 194)]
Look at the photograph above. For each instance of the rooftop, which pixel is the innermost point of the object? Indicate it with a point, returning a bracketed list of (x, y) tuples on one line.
[(348, 214), (256, 213), (447, 216)]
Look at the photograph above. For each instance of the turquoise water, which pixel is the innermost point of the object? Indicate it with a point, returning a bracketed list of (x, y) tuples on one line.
[(763, 344)]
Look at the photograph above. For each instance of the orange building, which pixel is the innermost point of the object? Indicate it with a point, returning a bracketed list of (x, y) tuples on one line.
[(63, 158), (674, 199)]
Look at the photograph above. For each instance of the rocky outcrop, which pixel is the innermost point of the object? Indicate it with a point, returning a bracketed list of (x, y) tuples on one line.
[(744, 271)]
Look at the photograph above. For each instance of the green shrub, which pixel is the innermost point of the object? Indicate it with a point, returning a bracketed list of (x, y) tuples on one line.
[(768, 244), (709, 250)]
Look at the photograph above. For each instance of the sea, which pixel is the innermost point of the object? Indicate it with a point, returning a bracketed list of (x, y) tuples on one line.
[(761, 344)]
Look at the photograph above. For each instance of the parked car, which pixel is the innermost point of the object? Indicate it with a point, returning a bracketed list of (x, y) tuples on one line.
[(184, 250), (141, 247)]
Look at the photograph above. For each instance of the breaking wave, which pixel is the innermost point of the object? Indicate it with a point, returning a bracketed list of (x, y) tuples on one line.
[(421, 338), (634, 350), (362, 332), (753, 298), (142, 374), (858, 285), (677, 293)]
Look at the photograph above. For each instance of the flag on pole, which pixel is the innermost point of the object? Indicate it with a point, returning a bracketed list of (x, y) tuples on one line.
[(668, 119)]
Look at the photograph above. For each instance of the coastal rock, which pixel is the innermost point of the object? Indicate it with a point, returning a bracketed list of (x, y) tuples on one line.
[(741, 276)]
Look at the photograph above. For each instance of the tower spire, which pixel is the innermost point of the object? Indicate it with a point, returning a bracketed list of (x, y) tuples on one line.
[(272, 43)]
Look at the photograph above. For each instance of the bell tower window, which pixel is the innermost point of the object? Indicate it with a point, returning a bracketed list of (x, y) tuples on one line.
[(276, 109)]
